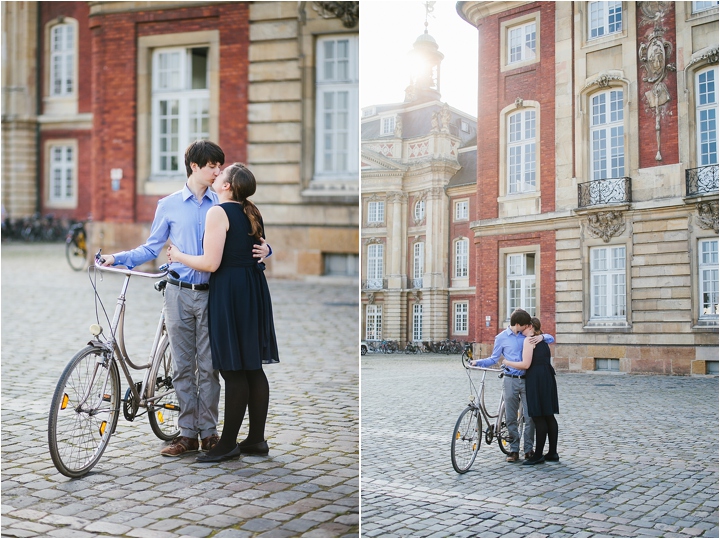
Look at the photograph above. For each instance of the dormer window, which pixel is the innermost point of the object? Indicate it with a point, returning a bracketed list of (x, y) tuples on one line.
[(387, 125)]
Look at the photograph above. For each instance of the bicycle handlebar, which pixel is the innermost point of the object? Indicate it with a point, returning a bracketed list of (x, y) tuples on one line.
[(164, 269)]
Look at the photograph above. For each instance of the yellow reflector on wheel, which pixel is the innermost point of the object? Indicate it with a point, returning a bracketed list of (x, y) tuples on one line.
[(64, 403), (457, 435), (103, 426), (160, 417), (474, 446)]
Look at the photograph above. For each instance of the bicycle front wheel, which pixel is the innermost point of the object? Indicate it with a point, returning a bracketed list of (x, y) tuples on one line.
[(163, 407), (84, 411), (503, 434), (76, 253), (466, 440)]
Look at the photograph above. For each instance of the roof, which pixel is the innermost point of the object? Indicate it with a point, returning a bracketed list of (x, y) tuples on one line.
[(467, 175)]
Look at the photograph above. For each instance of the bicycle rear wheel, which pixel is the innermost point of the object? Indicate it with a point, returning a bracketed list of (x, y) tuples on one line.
[(503, 434), (163, 413), (79, 431), (76, 252), (466, 440)]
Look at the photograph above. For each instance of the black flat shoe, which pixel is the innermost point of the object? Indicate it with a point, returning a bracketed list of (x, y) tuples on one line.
[(552, 458), (538, 460), (260, 448), (232, 454)]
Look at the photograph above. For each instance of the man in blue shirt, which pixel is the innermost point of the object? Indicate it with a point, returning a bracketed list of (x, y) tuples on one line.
[(509, 344), (181, 218)]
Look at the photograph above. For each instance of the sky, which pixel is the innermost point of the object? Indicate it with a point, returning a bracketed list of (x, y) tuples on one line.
[(388, 31)]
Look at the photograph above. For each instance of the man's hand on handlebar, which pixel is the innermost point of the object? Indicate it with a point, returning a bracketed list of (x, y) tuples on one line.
[(107, 260)]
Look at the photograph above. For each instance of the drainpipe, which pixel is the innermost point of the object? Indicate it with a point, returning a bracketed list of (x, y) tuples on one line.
[(38, 107)]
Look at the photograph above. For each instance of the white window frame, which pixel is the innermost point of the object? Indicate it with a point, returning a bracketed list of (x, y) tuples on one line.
[(417, 322), (462, 256), (419, 210), (706, 107), (602, 19), (462, 210), (522, 152), (376, 211), (63, 42), (464, 126), (518, 278), (184, 117), (608, 283), (460, 319), (387, 125), (698, 7), (62, 173), (336, 108), (607, 134), (708, 278), (375, 258), (373, 322), (418, 262), (524, 34)]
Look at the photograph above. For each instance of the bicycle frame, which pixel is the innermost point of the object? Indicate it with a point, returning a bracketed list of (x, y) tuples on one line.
[(478, 400)]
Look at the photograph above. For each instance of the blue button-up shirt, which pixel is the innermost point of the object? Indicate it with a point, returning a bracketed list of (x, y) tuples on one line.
[(180, 217), (509, 345)]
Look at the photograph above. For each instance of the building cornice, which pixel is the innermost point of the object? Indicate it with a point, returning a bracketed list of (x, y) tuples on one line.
[(105, 8), (474, 12)]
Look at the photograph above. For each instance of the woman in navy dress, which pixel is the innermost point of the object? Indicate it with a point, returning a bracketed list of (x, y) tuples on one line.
[(541, 393), (240, 319)]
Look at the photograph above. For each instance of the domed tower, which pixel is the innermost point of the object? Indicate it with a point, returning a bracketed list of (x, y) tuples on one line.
[(425, 61)]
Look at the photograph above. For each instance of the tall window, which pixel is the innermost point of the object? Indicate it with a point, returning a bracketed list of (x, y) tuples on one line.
[(707, 103), (417, 332), (376, 212), (375, 266), (180, 106), (604, 18), (521, 41), (607, 135), (461, 258), (521, 283), (336, 153), (62, 60), (462, 210), (607, 282), (708, 266), (461, 319), (521, 152), (62, 170), (703, 6), (373, 323), (419, 212), (418, 264)]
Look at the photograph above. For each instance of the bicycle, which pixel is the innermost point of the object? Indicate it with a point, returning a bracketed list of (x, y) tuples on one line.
[(469, 432), (76, 246), (86, 403)]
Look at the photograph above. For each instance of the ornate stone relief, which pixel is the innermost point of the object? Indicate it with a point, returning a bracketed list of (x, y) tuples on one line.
[(708, 215), (606, 224), (654, 55), (441, 120), (603, 80), (416, 296), (396, 197), (398, 126), (710, 57), (371, 298), (370, 241), (347, 12)]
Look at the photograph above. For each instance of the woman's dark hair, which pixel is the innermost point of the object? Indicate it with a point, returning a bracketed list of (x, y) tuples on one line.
[(242, 185), (535, 322), (203, 152)]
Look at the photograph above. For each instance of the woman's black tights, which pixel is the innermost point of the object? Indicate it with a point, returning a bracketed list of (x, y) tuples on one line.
[(243, 389), (545, 427)]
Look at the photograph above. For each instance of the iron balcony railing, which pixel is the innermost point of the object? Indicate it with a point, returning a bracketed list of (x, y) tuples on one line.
[(606, 191), (701, 180), (374, 284)]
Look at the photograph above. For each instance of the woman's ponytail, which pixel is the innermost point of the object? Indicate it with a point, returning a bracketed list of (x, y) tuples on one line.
[(242, 184)]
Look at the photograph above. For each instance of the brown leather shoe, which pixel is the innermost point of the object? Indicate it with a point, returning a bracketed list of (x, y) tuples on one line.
[(529, 455), (513, 457), (180, 445), (209, 442)]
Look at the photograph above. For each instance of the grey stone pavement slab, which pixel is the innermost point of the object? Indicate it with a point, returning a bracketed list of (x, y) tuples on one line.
[(639, 458), (307, 487)]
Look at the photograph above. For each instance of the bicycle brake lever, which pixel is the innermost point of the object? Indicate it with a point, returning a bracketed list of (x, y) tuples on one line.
[(166, 267)]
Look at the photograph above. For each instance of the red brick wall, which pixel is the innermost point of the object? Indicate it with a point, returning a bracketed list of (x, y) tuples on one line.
[(499, 89), (647, 143), (114, 99), (487, 264)]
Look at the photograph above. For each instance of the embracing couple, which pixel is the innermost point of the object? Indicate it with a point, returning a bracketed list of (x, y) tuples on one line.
[(529, 378), (218, 313)]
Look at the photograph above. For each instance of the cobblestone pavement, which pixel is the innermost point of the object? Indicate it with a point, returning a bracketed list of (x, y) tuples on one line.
[(307, 487), (639, 458)]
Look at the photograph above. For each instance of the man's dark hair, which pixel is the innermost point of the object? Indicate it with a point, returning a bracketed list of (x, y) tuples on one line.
[(520, 318), (203, 152)]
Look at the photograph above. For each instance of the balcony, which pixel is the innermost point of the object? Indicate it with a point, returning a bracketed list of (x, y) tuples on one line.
[(374, 284), (701, 180), (607, 191), (417, 283)]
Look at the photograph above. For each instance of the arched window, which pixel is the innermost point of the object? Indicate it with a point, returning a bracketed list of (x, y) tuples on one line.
[(62, 59), (461, 258), (521, 152), (607, 129), (706, 103), (419, 212)]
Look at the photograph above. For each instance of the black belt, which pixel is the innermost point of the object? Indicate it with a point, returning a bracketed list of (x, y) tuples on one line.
[(515, 375), (183, 284)]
